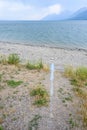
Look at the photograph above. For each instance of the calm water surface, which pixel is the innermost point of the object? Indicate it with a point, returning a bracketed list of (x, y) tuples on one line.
[(69, 34)]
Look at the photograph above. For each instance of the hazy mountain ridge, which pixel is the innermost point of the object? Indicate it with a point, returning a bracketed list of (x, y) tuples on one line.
[(80, 14), (63, 15)]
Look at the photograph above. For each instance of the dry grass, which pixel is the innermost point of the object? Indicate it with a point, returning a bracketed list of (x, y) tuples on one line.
[(78, 78), (14, 59), (46, 68)]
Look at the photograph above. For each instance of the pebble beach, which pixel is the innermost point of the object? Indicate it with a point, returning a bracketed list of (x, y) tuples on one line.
[(59, 56)]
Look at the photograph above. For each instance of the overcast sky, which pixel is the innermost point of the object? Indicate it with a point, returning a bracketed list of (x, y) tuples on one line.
[(36, 9)]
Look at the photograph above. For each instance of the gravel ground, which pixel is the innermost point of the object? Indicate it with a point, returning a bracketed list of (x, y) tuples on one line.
[(16, 109), (16, 104), (60, 57)]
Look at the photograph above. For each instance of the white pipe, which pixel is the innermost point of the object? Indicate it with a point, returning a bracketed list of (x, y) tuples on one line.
[(51, 88)]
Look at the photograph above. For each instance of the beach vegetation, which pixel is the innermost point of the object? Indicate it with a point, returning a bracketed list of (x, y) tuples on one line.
[(13, 59), (72, 123), (64, 95), (41, 96), (38, 65), (69, 71), (68, 98), (78, 78), (81, 73), (13, 83), (33, 124), (46, 68)]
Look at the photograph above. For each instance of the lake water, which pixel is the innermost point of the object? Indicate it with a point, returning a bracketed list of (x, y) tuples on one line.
[(63, 34)]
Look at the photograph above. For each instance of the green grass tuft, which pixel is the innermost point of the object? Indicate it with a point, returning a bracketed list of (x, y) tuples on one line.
[(13, 83), (72, 123), (38, 65), (74, 82), (13, 59), (41, 96), (38, 91), (81, 73), (40, 102)]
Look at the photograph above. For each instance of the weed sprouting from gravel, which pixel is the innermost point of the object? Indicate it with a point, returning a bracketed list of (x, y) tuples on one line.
[(13, 83)]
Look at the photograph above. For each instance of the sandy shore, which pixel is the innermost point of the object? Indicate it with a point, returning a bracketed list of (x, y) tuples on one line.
[(60, 57)]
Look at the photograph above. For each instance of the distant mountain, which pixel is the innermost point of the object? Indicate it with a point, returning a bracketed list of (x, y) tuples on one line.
[(62, 16), (81, 14)]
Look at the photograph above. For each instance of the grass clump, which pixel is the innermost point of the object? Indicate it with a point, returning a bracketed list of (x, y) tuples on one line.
[(81, 73), (78, 77), (13, 59), (72, 123), (13, 83), (33, 124), (38, 65), (41, 96)]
